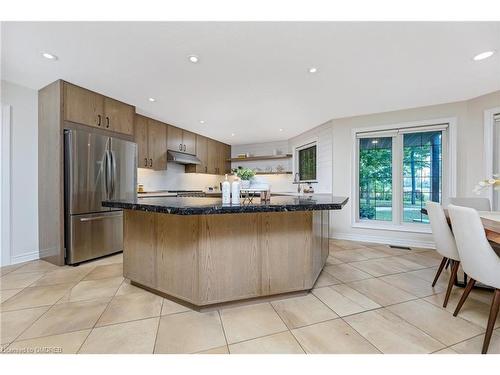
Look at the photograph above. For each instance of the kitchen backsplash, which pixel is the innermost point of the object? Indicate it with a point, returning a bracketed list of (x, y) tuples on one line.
[(174, 178)]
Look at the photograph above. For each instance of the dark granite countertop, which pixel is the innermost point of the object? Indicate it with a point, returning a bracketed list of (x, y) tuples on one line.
[(212, 206)]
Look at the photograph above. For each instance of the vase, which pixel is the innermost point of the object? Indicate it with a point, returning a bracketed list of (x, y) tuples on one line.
[(245, 184)]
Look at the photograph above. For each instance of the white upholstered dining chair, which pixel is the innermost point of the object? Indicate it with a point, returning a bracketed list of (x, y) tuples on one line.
[(445, 244), (477, 203), (479, 261)]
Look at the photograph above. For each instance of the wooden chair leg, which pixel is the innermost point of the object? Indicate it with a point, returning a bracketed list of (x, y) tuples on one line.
[(453, 276), (495, 304), (465, 294), (448, 264), (440, 269)]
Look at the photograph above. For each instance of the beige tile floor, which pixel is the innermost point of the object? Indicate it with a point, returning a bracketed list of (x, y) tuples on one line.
[(369, 299)]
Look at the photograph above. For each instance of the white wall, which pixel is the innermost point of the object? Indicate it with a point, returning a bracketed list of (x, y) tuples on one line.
[(470, 160), (24, 170)]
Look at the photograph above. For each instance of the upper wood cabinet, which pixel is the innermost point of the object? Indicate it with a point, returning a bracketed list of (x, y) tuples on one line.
[(217, 155), (118, 116), (83, 106), (86, 107), (226, 156), (223, 154), (141, 138), (202, 154), (174, 140), (189, 142), (212, 160), (151, 138), (181, 140)]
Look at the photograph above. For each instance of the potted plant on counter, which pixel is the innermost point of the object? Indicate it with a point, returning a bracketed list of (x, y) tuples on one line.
[(245, 175)]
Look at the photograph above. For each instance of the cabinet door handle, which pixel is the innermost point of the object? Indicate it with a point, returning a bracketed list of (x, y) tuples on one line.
[(206, 169), (145, 162), (98, 120), (180, 146), (184, 147), (107, 121), (150, 162)]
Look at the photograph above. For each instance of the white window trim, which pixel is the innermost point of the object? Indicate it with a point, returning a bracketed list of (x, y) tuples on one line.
[(489, 123), (309, 143), (450, 166)]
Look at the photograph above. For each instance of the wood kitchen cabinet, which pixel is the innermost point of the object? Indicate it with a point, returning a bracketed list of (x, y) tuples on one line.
[(151, 138), (141, 138), (226, 155), (89, 108), (189, 142), (217, 155), (83, 106), (202, 154), (118, 116), (174, 140), (181, 140), (212, 160)]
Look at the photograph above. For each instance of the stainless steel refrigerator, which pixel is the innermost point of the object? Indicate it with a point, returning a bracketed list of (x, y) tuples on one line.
[(96, 168)]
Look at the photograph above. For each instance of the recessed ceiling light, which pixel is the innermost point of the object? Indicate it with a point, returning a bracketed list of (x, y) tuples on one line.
[(152, 99), (202, 121), (483, 55), (49, 56), (232, 134), (281, 130), (313, 70), (193, 58)]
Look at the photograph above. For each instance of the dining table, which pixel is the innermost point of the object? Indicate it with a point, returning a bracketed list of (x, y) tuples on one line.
[(491, 224)]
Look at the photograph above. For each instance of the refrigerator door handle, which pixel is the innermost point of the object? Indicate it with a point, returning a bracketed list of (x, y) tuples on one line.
[(108, 176), (93, 218), (113, 174)]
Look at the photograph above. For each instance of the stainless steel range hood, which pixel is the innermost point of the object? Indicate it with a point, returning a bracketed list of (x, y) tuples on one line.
[(181, 158)]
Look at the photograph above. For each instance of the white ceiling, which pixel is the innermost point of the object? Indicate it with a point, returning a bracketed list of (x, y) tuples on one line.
[(252, 78)]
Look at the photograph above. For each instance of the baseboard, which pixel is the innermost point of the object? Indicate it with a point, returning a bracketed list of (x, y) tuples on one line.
[(383, 240), (26, 257)]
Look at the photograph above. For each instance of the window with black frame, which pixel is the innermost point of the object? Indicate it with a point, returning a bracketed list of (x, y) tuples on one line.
[(307, 163)]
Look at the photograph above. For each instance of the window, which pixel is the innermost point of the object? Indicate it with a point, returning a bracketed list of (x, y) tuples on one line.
[(397, 172), (375, 178), (422, 173), (306, 162)]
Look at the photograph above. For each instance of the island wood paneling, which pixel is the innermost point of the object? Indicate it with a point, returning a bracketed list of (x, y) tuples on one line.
[(141, 236), (230, 258), (177, 255), (212, 259), (286, 243)]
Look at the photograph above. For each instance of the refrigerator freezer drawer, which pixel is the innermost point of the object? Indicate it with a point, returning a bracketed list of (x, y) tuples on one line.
[(94, 235)]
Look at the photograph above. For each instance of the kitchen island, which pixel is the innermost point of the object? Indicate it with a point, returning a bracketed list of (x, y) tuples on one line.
[(201, 252)]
